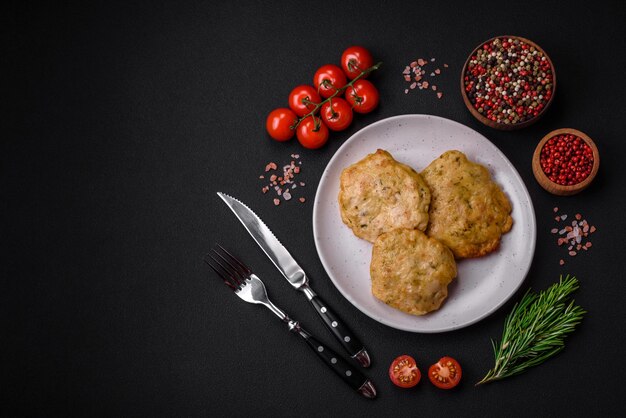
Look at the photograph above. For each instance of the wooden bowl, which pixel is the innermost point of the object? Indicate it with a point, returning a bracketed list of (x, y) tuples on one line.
[(502, 126), (553, 187)]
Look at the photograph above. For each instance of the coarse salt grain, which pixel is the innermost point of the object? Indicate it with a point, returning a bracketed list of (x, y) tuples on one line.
[(575, 236)]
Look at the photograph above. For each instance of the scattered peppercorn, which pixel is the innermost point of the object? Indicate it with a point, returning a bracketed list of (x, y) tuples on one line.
[(566, 159), (508, 81)]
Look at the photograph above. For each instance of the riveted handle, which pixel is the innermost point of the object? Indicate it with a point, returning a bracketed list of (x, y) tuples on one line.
[(347, 371), (340, 330)]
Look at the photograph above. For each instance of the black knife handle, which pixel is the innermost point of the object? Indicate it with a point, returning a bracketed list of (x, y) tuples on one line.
[(348, 372), (339, 329)]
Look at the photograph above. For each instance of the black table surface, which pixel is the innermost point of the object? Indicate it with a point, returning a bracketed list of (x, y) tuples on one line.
[(121, 121)]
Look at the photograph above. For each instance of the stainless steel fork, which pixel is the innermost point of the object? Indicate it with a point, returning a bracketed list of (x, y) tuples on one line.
[(251, 289)]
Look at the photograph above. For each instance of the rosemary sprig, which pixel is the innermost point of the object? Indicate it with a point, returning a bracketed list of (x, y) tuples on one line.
[(535, 330)]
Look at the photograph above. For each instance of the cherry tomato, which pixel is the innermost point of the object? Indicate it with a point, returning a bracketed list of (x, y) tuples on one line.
[(355, 60), (363, 96), (339, 116), (446, 373), (279, 122), (301, 93), (312, 133), (403, 372), (329, 78)]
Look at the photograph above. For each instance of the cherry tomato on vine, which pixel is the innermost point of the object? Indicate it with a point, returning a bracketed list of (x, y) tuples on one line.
[(301, 93), (403, 372), (363, 96), (312, 133), (339, 116), (446, 373), (329, 78), (279, 122), (355, 60)]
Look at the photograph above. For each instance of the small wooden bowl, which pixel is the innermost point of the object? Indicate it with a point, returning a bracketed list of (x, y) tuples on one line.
[(503, 126), (553, 187)]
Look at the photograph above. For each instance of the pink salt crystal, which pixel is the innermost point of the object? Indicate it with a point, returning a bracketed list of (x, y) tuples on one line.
[(561, 262), (421, 62), (439, 95), (572, 253), (555, 209), (407, 78), (412, 86), (592, 229), (276, 202), (554, 230), (302, 200), (437, 71)]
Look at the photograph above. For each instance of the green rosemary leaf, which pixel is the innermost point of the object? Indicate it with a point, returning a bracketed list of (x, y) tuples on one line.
[(535, 330)]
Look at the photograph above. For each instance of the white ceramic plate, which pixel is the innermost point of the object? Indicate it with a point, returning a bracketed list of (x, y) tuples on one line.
[(483, 284)]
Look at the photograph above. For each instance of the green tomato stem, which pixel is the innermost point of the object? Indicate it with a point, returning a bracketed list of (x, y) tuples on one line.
[(336, 93)]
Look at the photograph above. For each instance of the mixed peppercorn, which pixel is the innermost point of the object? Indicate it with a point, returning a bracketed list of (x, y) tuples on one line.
[(509, 81), (566, 159)]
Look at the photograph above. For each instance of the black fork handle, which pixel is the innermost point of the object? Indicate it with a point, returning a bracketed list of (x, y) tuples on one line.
[(350, 374)]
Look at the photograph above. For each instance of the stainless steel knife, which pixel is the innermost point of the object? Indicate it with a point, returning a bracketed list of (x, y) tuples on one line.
[(296, 276)]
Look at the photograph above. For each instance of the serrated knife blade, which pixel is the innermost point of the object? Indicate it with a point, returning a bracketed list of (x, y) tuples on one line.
[(268, 242), (296, 276)]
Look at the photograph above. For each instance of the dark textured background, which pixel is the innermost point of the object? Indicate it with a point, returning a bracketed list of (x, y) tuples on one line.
[(121, 121)]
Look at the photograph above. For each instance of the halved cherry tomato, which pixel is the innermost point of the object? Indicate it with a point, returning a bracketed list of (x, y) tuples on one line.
[(328, 79), (446, 373), (363, 96), (312, 133), (404, 373), (338, 116), (279, 122), (355, 60), (300, 94)]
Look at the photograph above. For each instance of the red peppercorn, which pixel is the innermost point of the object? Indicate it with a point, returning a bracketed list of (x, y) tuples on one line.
[(566, 159)]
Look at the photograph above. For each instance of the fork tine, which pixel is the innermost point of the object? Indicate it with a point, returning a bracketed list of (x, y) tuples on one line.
[(245, 268), (217, 267), (233, 262)]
